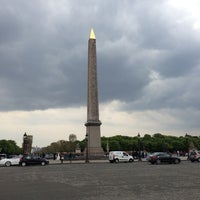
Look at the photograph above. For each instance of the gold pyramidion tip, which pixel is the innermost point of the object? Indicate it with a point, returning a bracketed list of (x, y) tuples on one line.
[(92, 35)]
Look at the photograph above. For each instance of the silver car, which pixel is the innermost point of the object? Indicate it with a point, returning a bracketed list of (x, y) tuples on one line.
[(7, 162), (194, 156)]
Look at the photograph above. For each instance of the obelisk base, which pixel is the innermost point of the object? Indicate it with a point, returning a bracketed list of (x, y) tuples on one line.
[(94, 139)]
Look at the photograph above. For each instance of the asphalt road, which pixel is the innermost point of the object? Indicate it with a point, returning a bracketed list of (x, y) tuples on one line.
[(101, 181)]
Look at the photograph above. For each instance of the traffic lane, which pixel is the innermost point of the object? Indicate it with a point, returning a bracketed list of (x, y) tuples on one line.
[(138, 180)]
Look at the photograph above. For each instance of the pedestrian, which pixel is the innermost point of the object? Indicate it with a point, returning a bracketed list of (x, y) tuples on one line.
[(61, 158), (70, 157)]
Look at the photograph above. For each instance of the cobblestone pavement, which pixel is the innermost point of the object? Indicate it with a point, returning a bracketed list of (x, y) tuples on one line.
[(101, 181)]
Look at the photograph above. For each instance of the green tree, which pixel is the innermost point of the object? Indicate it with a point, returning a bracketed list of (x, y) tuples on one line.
[(9, 147)]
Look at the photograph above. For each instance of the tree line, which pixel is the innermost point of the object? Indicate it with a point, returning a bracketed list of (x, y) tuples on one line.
[(157, 142), (148, 143)]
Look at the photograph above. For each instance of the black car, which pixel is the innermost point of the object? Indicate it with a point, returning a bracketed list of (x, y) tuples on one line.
[(163, 157), (33, 160)]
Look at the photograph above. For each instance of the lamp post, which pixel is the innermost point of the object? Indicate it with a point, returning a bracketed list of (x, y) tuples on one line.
[(187, 145), (139, 148), (107, 148), (25, 144), (87, 156)]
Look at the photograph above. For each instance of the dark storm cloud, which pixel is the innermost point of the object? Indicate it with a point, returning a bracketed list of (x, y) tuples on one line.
[(41, 61), (43, 54)]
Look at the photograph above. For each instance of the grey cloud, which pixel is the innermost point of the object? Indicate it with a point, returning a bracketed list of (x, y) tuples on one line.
[(43, 55), (179, 62)]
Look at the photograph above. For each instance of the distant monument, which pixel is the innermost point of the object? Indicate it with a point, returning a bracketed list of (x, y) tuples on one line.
[(27, 143), (93, 123)]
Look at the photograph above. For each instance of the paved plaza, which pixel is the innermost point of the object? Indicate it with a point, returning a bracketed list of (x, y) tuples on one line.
[(101, 181)]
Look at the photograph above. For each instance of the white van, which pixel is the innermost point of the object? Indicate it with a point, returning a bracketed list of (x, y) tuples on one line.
[(120, 156)]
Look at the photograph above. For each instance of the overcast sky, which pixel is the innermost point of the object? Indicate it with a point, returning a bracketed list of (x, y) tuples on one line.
[(148, 67)]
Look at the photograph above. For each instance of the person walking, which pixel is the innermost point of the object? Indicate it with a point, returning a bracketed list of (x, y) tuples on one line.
[(61, 158)]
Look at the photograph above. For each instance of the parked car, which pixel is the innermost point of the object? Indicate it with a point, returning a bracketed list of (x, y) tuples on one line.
[(9, 161), (49, 156), (2, 155), (163, 157), (148, 156), (120, 156), (33, 160), (194, 156)]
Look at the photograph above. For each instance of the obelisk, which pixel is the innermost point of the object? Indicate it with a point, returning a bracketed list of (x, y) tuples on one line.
[(93, 123)]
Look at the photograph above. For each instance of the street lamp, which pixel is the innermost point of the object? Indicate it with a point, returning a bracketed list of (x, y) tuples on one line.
[(187, 144), (107, 148), (139, 148), (25, 144), (87, 156)]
